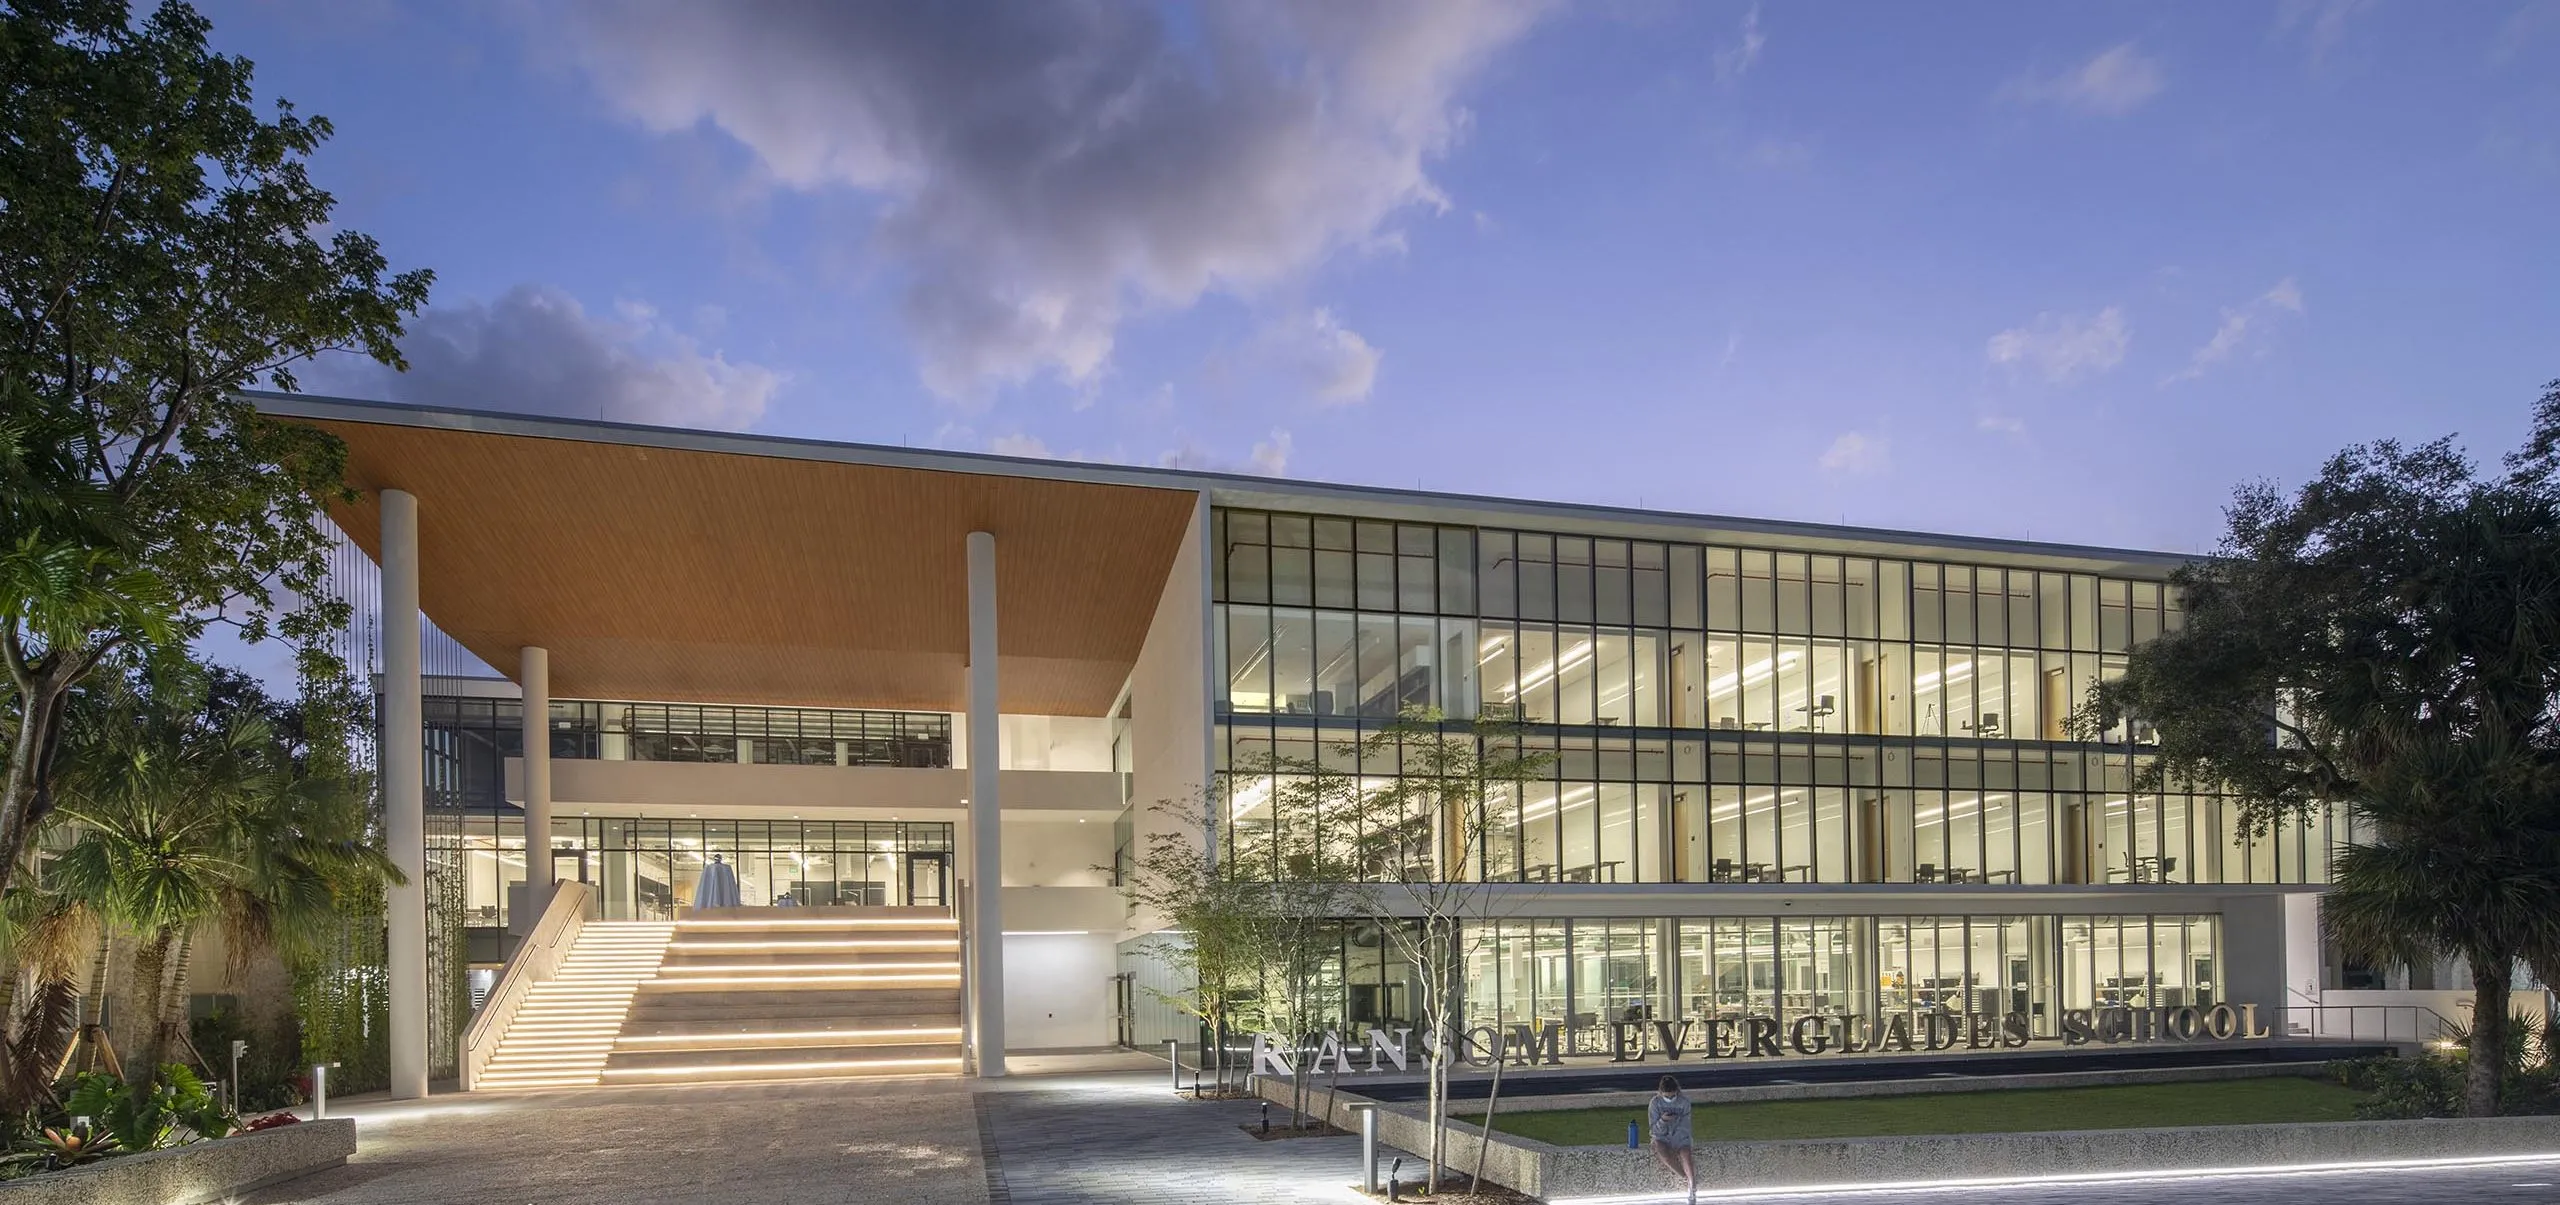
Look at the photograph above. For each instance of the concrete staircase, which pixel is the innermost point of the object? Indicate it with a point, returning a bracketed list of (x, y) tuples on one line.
[(568, 1024), (735, 994)]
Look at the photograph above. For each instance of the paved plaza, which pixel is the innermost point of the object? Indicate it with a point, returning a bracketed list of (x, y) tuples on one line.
[(1075, 1131), (2501, 1184)]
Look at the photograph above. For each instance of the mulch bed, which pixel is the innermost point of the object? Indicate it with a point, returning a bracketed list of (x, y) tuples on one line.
[(1278, 1132), (1454, 1191)]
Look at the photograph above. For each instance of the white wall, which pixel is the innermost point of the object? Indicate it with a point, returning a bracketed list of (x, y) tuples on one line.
[(1056, 853), (2254, 963), (1057, 988), (1169, 693), (1054, 742), (578, 783)]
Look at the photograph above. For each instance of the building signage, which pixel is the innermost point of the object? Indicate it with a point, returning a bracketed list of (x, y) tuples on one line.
[(1765, 1037)]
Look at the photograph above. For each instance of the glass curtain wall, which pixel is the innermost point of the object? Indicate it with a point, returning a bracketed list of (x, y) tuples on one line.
[(1797, 809), (1723, 714), (644, 868), (1584, 974)]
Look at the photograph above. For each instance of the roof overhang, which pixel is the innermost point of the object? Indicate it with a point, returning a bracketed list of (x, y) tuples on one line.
[(670, 565)]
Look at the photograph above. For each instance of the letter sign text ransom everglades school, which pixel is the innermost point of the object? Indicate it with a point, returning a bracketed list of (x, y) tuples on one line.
[(1763, 1037)]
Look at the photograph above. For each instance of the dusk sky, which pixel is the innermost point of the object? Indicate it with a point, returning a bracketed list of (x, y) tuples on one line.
[(2061, 271)]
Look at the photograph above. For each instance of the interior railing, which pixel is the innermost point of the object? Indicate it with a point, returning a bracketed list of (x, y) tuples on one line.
[(537, 958)]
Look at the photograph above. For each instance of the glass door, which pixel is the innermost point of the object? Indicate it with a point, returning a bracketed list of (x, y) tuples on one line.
[(929, 880)]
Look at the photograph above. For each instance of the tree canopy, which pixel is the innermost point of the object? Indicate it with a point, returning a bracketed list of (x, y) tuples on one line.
[(2387, 639), (162, 246)]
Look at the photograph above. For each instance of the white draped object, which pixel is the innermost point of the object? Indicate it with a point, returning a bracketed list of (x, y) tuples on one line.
[(718, 888)]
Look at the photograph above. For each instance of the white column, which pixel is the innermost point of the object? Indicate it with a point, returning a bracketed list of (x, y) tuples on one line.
[(533, 672), (986, 829), (402, 759)]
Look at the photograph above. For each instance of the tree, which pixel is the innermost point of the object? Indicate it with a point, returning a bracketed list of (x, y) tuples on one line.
[(1421, 836), (161, 246), (1257, 917), (1294, 873), (187, 808), (1177, 876), (2387, 639)]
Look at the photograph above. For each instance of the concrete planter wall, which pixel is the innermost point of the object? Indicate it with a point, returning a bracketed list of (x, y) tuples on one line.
[(195, 1174), (1563, 1173)]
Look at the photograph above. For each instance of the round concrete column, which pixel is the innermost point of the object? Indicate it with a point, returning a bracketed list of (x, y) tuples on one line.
[(533, 673), (986, 827), (402, 763)]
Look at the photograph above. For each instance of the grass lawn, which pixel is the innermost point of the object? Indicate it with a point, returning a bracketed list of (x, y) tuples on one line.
[(2129, 1106)]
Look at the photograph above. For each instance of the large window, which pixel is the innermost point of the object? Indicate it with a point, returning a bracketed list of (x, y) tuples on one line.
[(1726, 714), (1341, 617), (1587, 973), (643, 868), (1746, 808)]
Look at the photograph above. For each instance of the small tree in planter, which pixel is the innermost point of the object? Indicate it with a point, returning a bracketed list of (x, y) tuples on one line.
[(1291, 851), (1178, 877), (1421, 839)]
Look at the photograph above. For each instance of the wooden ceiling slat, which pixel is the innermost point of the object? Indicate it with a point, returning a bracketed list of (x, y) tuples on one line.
[(654, 573)]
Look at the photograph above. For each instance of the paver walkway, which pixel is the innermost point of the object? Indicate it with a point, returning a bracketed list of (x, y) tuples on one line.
[(1136, 1142), (1085, 1134), (777, 1144)]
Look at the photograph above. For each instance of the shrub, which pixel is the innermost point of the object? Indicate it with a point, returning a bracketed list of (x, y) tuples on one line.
[(176, 1108), (2431, 1084)]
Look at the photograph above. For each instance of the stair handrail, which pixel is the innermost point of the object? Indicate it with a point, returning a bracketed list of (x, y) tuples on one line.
[(537, 958)]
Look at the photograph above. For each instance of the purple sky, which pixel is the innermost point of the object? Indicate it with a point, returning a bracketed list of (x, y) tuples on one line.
[(2066, 271)]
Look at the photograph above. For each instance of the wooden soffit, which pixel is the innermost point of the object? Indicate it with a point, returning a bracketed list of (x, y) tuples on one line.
[(661, 573)]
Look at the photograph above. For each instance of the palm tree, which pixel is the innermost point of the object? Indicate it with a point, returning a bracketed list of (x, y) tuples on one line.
[(45, 936), (185, 817)]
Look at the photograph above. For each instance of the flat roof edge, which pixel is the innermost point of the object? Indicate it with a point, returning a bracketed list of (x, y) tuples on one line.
[(1223, 489)]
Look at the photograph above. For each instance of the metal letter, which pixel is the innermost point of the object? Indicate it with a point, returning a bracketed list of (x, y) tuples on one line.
[(1897, 1032), (1270, 1058), (1820, 1039), (2223, 1022), (1527, 1046), (2187, 1024), (2075, 1027), (2249, 1027), (1393, 1051)]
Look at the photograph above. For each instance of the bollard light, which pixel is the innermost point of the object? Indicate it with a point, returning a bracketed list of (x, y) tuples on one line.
[(1173, 1061), (320, 1090), (1368, 1111), (1266, 1117), (238, 1048)]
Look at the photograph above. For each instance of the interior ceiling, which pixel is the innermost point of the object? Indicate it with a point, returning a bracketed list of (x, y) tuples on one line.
[(655, 573)]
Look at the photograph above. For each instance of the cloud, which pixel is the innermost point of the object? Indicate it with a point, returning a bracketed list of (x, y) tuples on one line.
[(2320, 25), (1854, 453), (1044, 170), (2064, 348), (2118, 81), (1330, 360), (537, 351), (1269, 457), (1020, 445), (2238, 324), (1734, 59), (2001, 424)]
